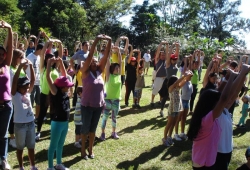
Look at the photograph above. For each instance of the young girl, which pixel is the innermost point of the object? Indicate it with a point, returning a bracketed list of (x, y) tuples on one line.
[(78, 118), (244, 111), (60, 110), (24, 126), (139, 84), (175, 105)]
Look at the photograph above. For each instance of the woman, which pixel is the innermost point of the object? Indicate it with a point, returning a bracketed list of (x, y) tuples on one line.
[(44, 83), (113, 95), (204, 129), (93, 91), (5, 94)]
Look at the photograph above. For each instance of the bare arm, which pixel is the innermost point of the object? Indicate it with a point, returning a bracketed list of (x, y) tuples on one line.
[(205, 78), (106, 54), (158, 52), (42, 58), (130, 54), (9, 48), (32, 77), (15, 78)]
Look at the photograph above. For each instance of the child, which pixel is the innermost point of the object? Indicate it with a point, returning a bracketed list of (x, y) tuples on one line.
[(24, 126), (78, 118), (60, 110), (175, 105), (246, 166), (245, 107), (140, 83)]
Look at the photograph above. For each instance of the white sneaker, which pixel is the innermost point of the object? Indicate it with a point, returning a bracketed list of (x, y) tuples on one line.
[(177, 137), (5, 165), (170, 141), (61, 167), (38, 135), (161, 113), (77, 145), (183, 136), (12, 143)]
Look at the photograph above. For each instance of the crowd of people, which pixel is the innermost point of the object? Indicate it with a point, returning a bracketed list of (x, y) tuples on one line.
[(37, 72)]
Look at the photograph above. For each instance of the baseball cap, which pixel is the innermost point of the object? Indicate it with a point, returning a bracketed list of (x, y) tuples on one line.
[(173, 56), (133, 59), (22, 81), (247, 154), (63, 82)]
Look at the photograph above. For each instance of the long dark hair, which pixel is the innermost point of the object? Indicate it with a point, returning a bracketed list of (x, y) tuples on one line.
[(172, 80), (112, 67), (205, 104)]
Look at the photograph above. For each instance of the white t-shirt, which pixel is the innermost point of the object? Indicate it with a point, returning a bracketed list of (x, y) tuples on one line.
[(23, 112), (147, 57), (35, 60), (226, 138)]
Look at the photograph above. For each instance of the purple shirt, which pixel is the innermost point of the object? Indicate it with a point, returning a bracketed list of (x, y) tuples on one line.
[(5, 84), (93, 90), (205, 145)]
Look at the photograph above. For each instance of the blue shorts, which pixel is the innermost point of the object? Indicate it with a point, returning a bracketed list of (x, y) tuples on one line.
[(185, 104), (137, 93)]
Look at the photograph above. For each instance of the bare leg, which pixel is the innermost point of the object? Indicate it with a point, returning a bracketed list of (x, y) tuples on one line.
[(91, 142), (183, 120), (177, 122), (152, 99), (19, 155), (83, 149), (168, 125), (37, 110), (172, 126), (31, 153)]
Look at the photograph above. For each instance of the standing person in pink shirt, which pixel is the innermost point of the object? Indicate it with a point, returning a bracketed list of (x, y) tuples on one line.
[(204, 129)]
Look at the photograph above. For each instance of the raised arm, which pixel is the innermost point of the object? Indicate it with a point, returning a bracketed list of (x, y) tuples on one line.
[(103, 61), (61, 66), (32, 76), (16, 76), (157, 53), (107, 72), (42, 58), (138, 62), (52, 87), (168, 55), (205, 78), (15, 35), (9, 47), (130, 54), (60, 49)]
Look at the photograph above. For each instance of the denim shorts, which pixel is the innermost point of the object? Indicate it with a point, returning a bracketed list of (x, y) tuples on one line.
[(173, 114), (25, 135), (185, 104), (90, 118), (137, 93)]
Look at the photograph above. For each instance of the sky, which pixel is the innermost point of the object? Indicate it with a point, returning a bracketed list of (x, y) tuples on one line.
[(244, 7)]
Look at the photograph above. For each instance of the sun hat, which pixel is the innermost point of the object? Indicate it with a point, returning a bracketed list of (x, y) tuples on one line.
[(63, 82)]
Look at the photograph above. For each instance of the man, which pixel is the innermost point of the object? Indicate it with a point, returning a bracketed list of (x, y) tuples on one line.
[(147, 60)]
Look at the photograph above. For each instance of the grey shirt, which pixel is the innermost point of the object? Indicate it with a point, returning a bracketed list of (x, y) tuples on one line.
[(171, 71), (187, 91), (161, 68)]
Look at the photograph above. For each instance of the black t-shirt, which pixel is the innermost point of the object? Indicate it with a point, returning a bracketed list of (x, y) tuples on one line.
[(243, 167), (131, 73), (59, 106)]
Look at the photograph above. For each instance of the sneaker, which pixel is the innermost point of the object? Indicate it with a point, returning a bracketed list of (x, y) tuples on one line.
[(134, 106), (38, 135), (51, 169), (152, 104), (170, 141), (77, 145), (12, 143), (5, 165), (61, 167), (165, 142), (33, 168), (114, 135), (161, 113), (177, 137), (45, 118), (183, 136), (138, 106), (102, 137)]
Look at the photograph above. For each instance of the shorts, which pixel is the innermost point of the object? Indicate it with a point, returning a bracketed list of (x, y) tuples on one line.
[(35, 95), (146, 65), (137, 93), (90, 118), (78, 129), (173, 114), (157, 85), (25, 135), (185, 104)]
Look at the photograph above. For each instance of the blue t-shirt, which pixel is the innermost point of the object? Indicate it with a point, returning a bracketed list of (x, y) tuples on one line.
[(80, 56), (30, 50)]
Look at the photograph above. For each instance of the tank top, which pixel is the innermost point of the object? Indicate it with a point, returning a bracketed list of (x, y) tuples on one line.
[(162, 71), (113, 87), (93, 90), (59, 106), (194, 78), (44, 83), (171, 71), (5, 84)]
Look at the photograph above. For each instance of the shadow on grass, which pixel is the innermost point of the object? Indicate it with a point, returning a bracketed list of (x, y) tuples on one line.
[(238, 132), (141, 159)]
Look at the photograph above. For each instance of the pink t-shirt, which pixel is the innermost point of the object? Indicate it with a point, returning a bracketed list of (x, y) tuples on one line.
[(205, 145)]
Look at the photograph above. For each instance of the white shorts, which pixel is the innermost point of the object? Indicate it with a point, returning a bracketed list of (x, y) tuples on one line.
[(157, 85)]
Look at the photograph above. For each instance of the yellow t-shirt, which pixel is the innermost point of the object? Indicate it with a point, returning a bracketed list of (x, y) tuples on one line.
[(114, 57), (79, 78)]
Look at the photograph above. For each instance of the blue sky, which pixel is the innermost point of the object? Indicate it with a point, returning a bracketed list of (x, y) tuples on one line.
[(244, 8)]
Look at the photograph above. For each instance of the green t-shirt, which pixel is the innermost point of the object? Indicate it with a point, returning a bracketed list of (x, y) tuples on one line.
[(22, 73), (44, 83), (113, 87), (194, 78)]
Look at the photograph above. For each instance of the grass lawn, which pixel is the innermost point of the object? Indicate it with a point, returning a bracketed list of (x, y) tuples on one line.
[(139, 146)]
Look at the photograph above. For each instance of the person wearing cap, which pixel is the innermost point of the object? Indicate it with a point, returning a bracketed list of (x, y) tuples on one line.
[(246, 166), (60, 111), (44, 83), (245, 99), (113, 95), (92, 102), (5, 94), (171, 69), (24, 126), (130, 76), (147, 60)]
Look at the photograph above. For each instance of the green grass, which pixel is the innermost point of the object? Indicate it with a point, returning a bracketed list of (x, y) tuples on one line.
[(139, 146)]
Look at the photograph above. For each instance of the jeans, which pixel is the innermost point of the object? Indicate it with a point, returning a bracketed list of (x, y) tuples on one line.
[(5, 116), (59, 131)]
